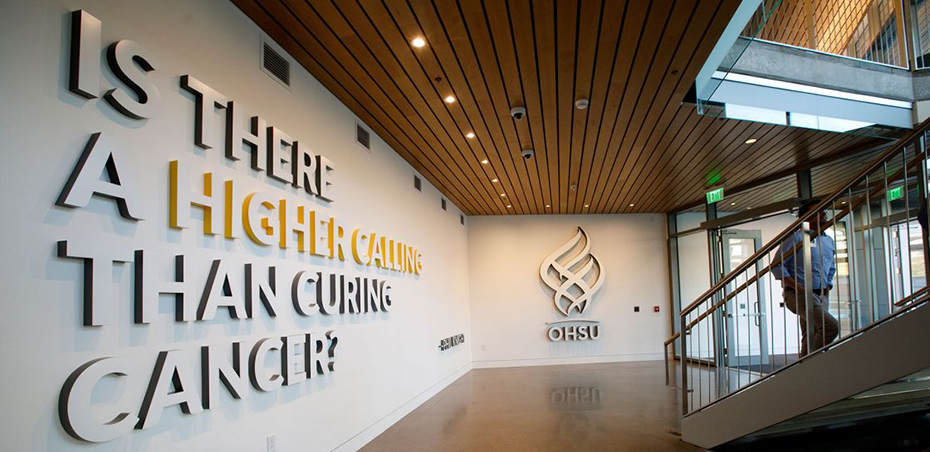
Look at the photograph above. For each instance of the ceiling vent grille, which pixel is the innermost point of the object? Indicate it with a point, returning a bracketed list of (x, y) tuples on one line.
[(276, 65), (363, 136)]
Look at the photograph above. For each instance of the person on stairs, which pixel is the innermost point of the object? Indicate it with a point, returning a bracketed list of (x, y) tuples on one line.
[(818, 327)]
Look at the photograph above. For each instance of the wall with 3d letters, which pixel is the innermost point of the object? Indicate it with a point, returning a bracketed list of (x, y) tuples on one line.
[(125, 347), (511, 305)]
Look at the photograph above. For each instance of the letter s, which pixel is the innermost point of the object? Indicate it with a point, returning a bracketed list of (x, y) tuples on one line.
[(121, 57)]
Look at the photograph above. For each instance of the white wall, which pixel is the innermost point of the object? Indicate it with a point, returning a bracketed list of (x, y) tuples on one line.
[(510, 305), (387, 363)]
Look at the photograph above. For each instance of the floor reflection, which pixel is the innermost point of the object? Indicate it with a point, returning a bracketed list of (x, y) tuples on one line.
[(592, 407)]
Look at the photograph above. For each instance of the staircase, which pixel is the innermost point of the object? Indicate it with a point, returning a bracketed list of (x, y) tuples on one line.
[(879, 365)]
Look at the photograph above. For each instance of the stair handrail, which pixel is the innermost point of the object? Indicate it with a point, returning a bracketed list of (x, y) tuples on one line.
[(790, 229)]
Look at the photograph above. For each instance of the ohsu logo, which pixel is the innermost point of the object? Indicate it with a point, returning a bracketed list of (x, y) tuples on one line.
[(575, 275)]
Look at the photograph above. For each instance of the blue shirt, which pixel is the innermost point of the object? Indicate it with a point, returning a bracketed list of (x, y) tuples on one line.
[(823, 263)]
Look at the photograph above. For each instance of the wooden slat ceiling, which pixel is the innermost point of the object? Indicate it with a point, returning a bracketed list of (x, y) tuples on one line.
[(826, 180), (636, 148)]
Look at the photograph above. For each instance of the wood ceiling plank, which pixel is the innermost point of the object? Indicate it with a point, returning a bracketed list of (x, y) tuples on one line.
[(543, 17), (607, 51), (471, 16), (704, 135), (709, 162), (672, 149), (590, 27), (778, 152), (439, 60), (449, 39), (814, 143), (695, 48), (340, 62), (634, 25), (673, 153), (648, 113), (369, 41), (566, 40), (497, 18), (520, 13), (647, 48), (345, 90)]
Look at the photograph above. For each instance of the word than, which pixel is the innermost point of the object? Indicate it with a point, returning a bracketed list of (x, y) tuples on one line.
[(235, 290)]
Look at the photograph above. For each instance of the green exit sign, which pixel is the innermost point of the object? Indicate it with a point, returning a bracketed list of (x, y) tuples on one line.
[(896, 193), (715, 195)]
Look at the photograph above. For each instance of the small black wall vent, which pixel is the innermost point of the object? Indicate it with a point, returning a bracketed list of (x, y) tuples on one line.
[(443, 204), (363, 136), (417, 184), (276, 64), (462, 219)]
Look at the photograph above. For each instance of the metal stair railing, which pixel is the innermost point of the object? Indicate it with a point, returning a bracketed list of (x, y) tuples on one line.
[(867, 232)]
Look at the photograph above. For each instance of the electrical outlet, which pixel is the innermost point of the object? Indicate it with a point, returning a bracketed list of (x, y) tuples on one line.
[(272, 443)]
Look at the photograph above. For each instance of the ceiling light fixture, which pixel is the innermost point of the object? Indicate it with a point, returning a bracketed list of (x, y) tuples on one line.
[(484, 162), (509, 206), (450, 99), (470, 135), (547, 206), (494, 180), (418, 42), (751, 141), (631, 204), (585, 206), (503, 195), (581, 104)]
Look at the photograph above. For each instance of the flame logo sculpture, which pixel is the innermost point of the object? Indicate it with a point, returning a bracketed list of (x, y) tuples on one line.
[(576, 278)]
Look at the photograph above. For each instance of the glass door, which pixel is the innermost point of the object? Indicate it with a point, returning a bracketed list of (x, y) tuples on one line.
[(746, 320)]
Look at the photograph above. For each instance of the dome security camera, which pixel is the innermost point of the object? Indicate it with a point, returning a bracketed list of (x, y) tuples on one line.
[(518, 112), (527, 154)]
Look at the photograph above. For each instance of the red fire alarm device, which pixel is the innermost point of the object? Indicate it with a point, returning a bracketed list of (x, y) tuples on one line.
[(655, 309)]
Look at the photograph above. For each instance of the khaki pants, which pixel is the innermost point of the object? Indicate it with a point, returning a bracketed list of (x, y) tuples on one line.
[(822, 329)]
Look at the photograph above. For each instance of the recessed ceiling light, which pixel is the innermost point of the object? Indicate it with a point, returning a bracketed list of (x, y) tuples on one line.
[(509, 206), (581, 104), (470, 135), (547, 206), (494, 180), (418, 42), (484, 162), (844, 202), (751, 141), (503, 195), (450, 99), (732, 203), (631, 204), (586, 206)]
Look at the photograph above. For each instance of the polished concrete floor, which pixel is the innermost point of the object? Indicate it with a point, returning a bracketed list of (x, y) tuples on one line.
[(590, 407)]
